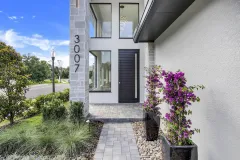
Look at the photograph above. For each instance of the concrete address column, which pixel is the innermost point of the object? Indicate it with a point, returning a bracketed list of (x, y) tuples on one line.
[(149, 60), (79, 53), (151, 49)]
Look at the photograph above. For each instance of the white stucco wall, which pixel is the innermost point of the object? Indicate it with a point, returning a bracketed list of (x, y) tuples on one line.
[(114, 44), (205, 43), (145, 2)]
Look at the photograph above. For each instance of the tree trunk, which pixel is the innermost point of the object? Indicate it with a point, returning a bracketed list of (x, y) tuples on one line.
[(11, 118)]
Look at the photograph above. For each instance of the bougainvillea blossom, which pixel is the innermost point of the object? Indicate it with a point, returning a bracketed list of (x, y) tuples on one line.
[(152, 87), (179, 97)]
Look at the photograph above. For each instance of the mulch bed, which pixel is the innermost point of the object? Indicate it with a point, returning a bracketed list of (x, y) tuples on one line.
[(98, 126)]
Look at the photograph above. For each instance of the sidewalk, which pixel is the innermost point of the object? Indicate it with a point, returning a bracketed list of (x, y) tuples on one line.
[(117, 142)]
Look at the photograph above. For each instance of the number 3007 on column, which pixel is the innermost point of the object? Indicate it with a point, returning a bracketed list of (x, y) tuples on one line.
[(76, 51)]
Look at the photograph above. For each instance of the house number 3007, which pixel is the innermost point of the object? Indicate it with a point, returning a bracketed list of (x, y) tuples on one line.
[(77, 50)]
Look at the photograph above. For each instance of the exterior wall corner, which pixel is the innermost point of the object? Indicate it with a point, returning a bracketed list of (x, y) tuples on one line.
[(79, 40)]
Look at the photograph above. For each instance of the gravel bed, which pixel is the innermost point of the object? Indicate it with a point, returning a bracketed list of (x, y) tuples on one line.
[(148, 150)]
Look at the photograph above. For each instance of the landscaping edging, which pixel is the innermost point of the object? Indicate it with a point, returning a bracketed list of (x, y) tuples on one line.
[(89, 155)]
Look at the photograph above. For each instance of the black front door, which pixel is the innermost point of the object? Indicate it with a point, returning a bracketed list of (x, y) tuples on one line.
[(128, 76)]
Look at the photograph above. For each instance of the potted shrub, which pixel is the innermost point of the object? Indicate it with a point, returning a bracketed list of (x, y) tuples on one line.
[(151, 111), (178, 145)]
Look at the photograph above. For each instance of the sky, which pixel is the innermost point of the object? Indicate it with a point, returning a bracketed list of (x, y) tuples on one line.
[(36, 27)]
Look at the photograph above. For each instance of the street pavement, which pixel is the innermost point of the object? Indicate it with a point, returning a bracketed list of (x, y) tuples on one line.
[(40, 89)]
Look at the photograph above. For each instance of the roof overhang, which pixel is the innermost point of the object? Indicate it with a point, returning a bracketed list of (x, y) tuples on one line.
[(158, 15)]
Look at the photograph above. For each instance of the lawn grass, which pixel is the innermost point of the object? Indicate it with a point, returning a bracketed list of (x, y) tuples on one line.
[(34, 137), (4, 123), (46, 81)]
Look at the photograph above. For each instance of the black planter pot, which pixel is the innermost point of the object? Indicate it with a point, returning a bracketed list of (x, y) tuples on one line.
[(152, 124), (171, 152)]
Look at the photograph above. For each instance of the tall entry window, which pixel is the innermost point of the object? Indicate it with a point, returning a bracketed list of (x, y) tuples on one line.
[(100, 71), (129, 18), (100, 23)]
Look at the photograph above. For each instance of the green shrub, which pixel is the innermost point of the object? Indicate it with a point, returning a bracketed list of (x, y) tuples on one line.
[(54, 110), (51, 96), (43, 99), (64, 95), (40, 101), (30, 108), (76, 112), (3, 105)]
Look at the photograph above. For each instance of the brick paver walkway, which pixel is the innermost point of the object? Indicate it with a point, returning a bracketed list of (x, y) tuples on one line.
[(116, 112), (117, 142)]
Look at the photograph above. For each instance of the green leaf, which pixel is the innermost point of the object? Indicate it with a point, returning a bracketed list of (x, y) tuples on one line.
[(198, 99), (189, 112)]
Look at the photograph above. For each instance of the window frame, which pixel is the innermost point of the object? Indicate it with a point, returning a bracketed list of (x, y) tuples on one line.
[(94, 15), (95, 68), (119, 20), (91, 10), (110, 72)]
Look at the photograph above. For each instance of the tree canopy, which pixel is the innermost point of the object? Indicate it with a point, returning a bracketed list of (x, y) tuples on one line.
[(65, 73), (37, 69), (13, 81)]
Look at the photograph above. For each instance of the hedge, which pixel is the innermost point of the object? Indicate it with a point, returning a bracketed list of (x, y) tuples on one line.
[(35, 106)]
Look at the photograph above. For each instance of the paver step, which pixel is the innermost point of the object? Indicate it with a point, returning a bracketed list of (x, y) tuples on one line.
[(105, 120)]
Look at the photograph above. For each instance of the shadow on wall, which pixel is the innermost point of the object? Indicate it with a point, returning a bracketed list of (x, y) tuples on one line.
[(220, 131), (202, 4), (222, 126)]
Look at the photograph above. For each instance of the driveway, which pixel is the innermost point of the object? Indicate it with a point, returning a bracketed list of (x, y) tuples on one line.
[(37, 90)]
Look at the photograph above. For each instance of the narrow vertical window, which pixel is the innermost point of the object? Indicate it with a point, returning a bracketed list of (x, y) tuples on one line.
[(100, 71), (128, 19), (100, 22)]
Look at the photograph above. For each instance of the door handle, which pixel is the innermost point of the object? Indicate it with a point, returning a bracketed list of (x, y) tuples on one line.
[(119, 82)]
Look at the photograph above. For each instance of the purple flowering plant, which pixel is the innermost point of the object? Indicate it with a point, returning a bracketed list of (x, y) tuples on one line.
[(153, 84), (179, 96)]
